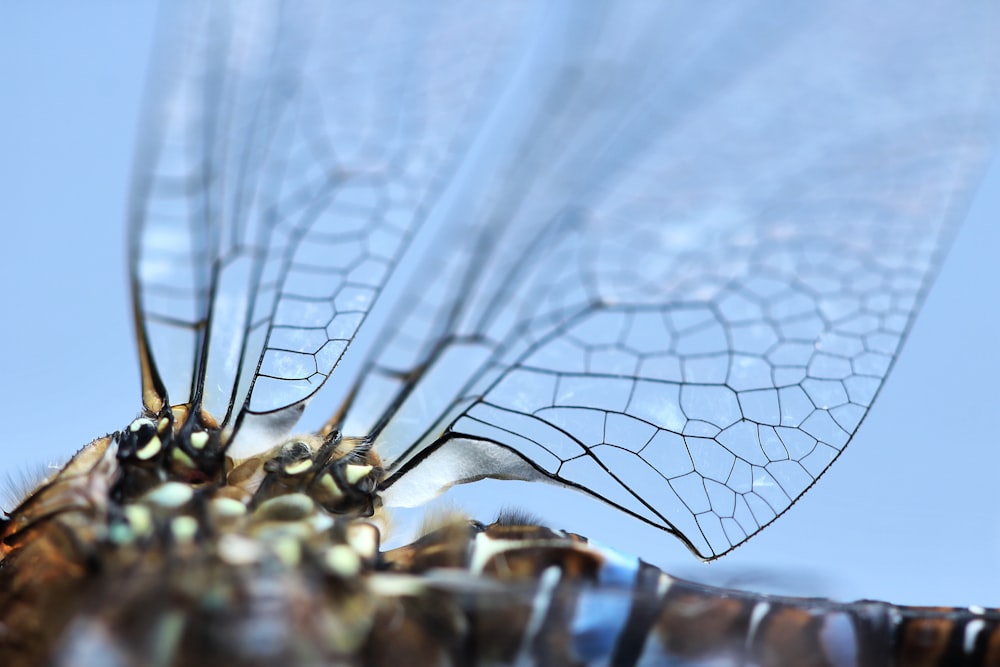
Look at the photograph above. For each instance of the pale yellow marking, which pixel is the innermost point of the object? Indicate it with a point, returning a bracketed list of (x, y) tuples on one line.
[(150, 449), (162, 425), (291, 507), (363, 538), (298, 467), (288, 550), (355, 473), (395, 585), (228, 507), (486, 548), (268, 532), (139, 423), (320, 521), (140, 519), (170, 494), (342, 561), (184, 528), (329, 484), (178, 455), (199, 439), (238, 550)]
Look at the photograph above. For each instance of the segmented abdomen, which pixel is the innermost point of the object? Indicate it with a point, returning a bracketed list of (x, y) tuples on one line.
[(564, 600)]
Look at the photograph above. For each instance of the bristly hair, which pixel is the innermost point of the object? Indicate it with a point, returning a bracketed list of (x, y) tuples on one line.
[(19, 482), (515, 516), (442, 517)]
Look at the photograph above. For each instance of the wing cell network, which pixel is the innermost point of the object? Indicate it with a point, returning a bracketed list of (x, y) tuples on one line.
[(668, 253), (297, 150), (714, 241)]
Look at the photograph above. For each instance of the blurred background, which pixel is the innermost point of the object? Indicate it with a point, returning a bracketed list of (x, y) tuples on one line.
[(909, 513)]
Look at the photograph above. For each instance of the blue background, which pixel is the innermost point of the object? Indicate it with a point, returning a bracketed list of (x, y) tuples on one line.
[(909, 513)]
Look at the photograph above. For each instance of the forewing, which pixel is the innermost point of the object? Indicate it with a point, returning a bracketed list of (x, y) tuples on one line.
[(291, 154), (692, 263)]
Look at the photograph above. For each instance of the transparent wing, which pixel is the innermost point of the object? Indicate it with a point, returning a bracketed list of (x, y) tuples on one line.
[(292, 154), (686, 268)]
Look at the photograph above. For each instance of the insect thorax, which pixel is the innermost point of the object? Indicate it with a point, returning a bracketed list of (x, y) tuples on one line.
[(340, 475), (153, 528)]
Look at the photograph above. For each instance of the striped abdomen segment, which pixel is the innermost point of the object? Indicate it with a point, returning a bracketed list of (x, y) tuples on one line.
[(696, 622), (568, 601)]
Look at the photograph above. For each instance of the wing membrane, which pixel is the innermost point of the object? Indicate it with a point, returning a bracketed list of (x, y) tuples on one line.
[(295, 156), (675, 248), (688, 280)]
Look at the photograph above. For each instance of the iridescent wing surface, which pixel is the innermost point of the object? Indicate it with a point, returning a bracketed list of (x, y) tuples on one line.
[(666, 255), (291, 157)]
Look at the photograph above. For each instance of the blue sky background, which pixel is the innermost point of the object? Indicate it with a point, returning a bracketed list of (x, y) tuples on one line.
[(909, 513)]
